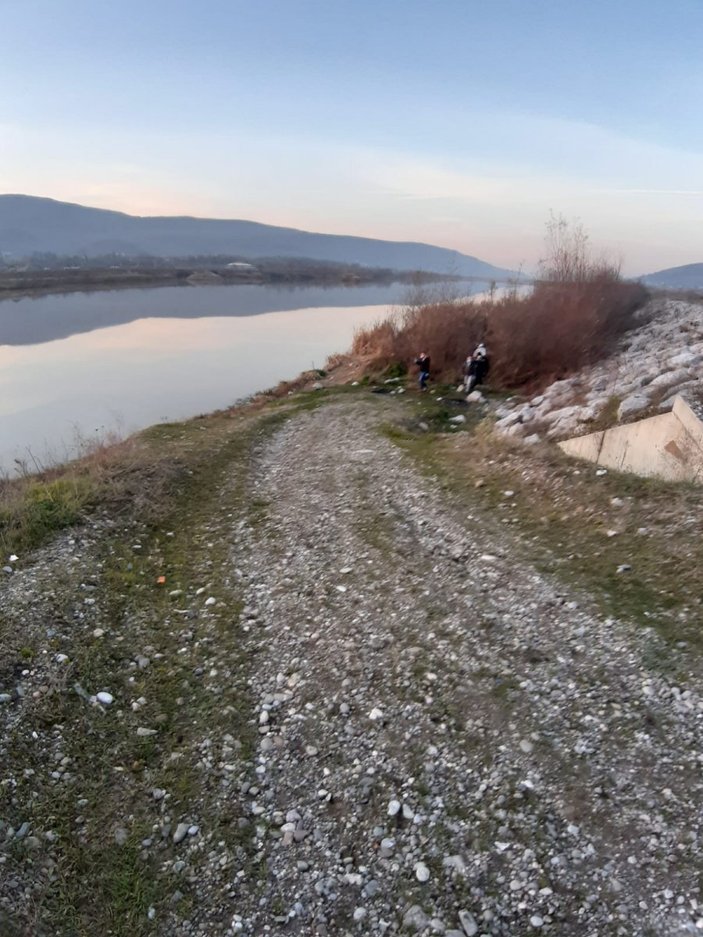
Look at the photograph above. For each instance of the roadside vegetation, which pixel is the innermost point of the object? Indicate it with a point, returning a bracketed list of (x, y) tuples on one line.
[(631, 544), (138, 477), (578, 307)]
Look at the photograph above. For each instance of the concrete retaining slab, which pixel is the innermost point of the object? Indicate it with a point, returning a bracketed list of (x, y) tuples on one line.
[(668, 446)]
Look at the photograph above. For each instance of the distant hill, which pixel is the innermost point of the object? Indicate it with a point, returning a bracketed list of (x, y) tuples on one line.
[(688, 277), (31, 225)]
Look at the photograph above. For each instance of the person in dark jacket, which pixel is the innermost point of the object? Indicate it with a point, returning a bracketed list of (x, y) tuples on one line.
[(423, 362), (476, 368)]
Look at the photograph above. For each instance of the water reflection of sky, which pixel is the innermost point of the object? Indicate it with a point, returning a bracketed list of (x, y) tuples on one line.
[(93, 362), (154, 369), (32, 320)]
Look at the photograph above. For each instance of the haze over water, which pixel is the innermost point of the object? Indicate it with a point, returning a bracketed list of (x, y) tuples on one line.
[(87, 364)]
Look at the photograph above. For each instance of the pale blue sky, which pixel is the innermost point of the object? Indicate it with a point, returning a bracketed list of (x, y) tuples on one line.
[(457, 122)]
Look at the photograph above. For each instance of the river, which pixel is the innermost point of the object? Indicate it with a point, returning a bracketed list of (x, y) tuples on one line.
[(82, 365)]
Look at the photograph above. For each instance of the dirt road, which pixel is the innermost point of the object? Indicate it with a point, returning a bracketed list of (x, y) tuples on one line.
[(393, 721)]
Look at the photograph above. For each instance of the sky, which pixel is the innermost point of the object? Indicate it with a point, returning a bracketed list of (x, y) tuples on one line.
[(461, 123)]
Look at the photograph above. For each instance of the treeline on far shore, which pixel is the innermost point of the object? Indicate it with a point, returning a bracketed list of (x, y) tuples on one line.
[(50, 273)]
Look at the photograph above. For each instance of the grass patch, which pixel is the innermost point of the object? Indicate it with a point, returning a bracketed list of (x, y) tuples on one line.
[(45, 508), (579, 526)]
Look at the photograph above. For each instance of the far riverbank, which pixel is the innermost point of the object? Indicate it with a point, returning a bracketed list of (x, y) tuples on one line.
[(17, 284)]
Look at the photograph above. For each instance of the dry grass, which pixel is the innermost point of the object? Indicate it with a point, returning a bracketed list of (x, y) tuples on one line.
[(136, 478), (138, 475)]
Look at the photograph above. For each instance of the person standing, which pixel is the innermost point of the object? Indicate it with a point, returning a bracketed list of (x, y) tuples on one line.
[(476, 368), (423, 362)]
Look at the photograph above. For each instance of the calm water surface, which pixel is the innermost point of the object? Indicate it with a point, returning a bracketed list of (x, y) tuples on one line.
[(85, 364)]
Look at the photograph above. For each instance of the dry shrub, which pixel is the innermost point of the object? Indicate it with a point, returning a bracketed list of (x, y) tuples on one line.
[(444, 330), (571, 317), (555, 330), (558, 329)]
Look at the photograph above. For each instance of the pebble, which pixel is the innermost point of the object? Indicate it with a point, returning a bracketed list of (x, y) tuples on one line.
[(468, 923), (181, 832), (105, 698), (415, 918), (422, 873), (387, 847)]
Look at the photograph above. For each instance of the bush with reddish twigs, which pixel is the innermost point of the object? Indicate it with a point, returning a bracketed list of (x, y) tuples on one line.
[(572, 316)]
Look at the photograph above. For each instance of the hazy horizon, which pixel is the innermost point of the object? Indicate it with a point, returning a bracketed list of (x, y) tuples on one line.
[(461, 126)]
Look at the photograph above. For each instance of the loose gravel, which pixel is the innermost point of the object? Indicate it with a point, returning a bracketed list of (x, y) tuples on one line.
[(436, 737)]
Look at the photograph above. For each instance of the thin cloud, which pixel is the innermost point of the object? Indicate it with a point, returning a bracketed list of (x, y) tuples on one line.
[(695, 192)]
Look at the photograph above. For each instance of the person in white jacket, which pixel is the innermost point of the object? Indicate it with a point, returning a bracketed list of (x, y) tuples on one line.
[(476, 368)]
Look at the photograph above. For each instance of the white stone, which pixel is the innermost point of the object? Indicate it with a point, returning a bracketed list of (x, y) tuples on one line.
[(422, 873), (565, 413), (634, 404), (387, 847), (468, 922), (685, 359), (181, 832), (671, 378), (105, 698)]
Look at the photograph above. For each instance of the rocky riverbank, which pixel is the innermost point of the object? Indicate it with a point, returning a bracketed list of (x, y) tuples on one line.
[(657, 361)]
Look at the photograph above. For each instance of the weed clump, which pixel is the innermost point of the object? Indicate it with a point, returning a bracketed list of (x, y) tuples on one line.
[(47, 506)]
